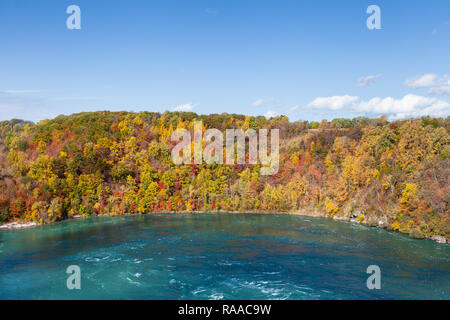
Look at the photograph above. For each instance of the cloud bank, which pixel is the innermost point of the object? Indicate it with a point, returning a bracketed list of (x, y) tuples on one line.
[(409, 106), (333, 103), (435, 84), (425, 81), (185, 107)]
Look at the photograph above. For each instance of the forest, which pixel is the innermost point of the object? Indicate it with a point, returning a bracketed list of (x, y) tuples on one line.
[(389, 174)]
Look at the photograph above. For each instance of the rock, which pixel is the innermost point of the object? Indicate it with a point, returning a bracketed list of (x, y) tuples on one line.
[(372, 221), (416, 234), (383, 222), (17, 225), (355, 214), (439, 239)]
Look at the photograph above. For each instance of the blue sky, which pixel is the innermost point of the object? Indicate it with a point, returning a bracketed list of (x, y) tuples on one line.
[(308, 60)]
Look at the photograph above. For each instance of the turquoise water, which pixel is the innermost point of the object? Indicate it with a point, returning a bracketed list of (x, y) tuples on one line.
[(219, 256)]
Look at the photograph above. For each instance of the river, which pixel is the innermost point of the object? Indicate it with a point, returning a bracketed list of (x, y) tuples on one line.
[(219, 256)]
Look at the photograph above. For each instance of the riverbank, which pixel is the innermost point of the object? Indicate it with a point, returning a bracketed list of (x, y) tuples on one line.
[(18, 225)]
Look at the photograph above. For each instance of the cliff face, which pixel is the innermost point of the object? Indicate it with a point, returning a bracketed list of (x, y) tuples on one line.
[(393, 175)]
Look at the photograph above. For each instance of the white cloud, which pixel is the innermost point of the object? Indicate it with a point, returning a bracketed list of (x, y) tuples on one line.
[(211, 11), (444, 89), (258, 103), (185, 107), (425, 81), (367, 81), (294, 108), (435, 30), (333, 103), (76, 98), (266, 102), (271, 114), (443, 86), (436, 84), (19, 91), (409, 106)]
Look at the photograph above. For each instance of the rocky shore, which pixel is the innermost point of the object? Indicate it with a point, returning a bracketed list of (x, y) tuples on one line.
[(18, 225)]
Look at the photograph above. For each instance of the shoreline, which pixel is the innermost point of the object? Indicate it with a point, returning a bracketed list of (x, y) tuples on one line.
[(18, 225), (15, 225)]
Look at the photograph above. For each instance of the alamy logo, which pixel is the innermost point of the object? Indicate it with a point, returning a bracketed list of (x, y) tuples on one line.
[(213, 152), (374, 281), (374, 21), (74, 280), (74, 20)]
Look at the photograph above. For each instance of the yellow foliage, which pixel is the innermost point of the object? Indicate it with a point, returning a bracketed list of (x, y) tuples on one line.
[(409, 192), (138, 121), (395, 225), (330, 207), (361, 218), (42, 146), (329, 163), (376, 174)]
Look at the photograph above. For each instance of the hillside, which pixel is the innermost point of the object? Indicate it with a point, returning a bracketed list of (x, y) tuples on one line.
[(393, 175)]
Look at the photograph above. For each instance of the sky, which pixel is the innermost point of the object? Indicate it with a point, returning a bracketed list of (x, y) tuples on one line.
[(308, 60)]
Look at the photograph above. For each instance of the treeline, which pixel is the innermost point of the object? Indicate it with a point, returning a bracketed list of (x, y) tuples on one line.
[(390, 174)]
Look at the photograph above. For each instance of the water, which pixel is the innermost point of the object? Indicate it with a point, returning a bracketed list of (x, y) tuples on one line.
[(219, 256)]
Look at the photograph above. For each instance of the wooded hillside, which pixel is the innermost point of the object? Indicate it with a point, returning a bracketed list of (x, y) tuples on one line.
[(389, 174)]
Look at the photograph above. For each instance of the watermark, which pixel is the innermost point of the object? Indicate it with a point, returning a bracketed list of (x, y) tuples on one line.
[(74, 280), (235, 147), (374, 281), (227, 309), (74, 20), (374, 21)]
